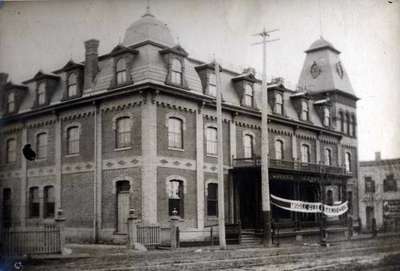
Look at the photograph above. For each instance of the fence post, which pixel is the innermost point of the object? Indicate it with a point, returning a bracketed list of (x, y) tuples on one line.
[(174, 225), (60, 221), (211, 236), (132, 229)]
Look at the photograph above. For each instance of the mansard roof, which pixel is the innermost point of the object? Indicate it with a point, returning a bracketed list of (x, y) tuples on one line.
[(41, 75)]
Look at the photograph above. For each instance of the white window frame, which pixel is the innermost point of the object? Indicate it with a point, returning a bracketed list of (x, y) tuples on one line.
[(175, 134), (212, 84), (176, 71), (121, 71), (305, 110), (305, 150), (279, 149), (248, 95), (11, 151), (278, 109), (211, 143), (41, 94), (11, 102), (72, 85), (41, 149)]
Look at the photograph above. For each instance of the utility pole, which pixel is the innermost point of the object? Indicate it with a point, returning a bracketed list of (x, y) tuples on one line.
[(221, 201), (266, 205)]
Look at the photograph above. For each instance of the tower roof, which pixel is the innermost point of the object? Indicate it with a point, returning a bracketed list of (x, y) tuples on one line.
[(321, 43), (148, 28), (323, 71)]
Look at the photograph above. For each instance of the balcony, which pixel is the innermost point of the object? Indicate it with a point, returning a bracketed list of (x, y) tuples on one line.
[(291, 166)]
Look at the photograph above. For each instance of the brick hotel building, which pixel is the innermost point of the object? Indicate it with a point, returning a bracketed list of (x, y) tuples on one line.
[(136, 128)]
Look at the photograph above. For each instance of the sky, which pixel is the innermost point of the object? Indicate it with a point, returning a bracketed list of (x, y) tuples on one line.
[(46, 34)]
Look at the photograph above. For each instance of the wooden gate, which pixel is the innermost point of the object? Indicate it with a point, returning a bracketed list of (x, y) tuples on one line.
[(149, 235)]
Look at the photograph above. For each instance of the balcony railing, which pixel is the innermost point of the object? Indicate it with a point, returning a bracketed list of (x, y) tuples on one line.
[(291, 165)]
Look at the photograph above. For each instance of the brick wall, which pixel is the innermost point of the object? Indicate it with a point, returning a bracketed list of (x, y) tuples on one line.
[(77, 199)]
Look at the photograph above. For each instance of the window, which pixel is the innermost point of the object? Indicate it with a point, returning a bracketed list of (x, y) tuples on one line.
[(279, 149), (348, 128), (175, 197), (7, 207), (73, 140), (278, 103), (121, 71), (304, 110), (123, 132), (369, 185), (11, 102), (327, 116), (34, 202), (72, 85), (41, 145), (248, 146), (49, 202), (176, 72), (347, 161), (305, 153), (389, 184), (11, 150), (175, 133), (248, 95), (212, 199), (212, 84), (344, 124), (41, 94), (354, 125), (211, 137), (341, 116), (328, 157)]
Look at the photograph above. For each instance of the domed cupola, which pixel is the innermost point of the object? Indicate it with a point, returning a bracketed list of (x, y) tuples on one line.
[(148, 28), (323, 71)]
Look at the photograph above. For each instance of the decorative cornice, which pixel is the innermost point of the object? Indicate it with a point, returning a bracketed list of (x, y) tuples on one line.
[(10, 174), (77, 115), (122, 162), (175, 107), (41, 123), (120, 106), (280, 132)]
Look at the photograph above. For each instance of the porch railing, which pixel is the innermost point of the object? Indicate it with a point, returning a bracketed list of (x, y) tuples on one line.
[(43, 239), (291, 165)]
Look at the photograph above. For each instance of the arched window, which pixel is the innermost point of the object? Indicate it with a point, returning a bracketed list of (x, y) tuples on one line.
[(248, 95), (279, 149), (123, 132), (34, 202), (248, 146), (175, 197), (212, 199), (212, 84), (347, 161), (41, 145), (176, 72), (328, 157), (175, 133), (72, 85), (7, 207), (11, 102), (348, 128), (11, 150), (41, 94), (73, 140), (211, 136), (304, 110), (341, 116), (278, 103), (120, 71), (354, 125), (305, 153), (369, 184), (49, 201), (327, 117)]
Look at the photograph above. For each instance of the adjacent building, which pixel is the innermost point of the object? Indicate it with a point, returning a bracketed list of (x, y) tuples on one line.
[(136, 128), (379, 194)]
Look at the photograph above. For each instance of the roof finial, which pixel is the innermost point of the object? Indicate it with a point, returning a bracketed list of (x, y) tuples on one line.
[(148, 12)]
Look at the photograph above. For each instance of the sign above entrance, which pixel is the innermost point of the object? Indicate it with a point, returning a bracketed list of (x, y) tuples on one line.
[(309, 207)]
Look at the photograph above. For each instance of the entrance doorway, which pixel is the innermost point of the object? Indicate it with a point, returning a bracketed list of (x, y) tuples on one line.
[(250, 204), (369, 215), (123, 188)]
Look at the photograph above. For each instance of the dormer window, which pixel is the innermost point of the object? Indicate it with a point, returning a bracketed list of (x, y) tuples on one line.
[(278, 108), (304, 110), (327, 117), (121, 71), (41, 94), (212, 84), (72, 85), (176, 72), (11, 102), (248, 95)]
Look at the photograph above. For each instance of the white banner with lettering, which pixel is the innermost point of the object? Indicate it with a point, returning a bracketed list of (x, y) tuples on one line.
[(309, 207)]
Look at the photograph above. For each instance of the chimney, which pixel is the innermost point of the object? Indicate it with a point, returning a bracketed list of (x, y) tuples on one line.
[(3, 79), (91, 62), (377, 156)]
